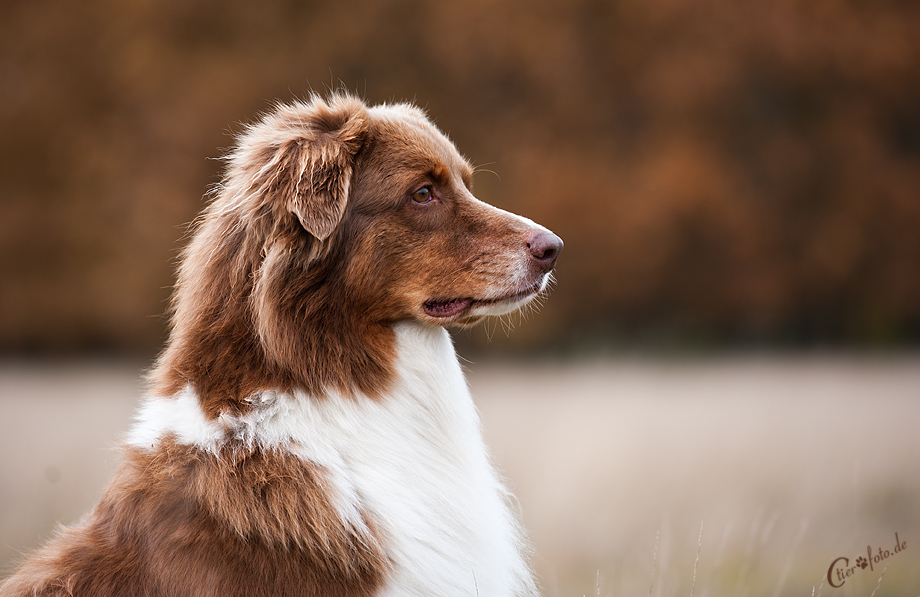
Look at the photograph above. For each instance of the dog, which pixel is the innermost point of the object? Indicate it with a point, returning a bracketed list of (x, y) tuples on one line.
[(308, 430)]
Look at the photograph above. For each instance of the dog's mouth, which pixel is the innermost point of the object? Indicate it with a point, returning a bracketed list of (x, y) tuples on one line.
[(447, 308)]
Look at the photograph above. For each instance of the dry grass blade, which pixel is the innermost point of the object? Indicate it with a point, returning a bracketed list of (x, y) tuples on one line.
[(885, 569), (788, 565), (699, 547)]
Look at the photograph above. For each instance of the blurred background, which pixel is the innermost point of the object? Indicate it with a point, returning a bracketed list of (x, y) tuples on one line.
[(733, 337)]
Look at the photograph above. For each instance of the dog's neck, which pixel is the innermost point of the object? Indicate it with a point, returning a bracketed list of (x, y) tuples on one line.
[(428, 376), (324, 344)]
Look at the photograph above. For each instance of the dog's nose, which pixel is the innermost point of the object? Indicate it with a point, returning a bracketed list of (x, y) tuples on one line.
[(544, 247)]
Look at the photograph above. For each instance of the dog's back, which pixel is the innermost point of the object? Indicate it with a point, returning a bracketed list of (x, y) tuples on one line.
[(309, 430)]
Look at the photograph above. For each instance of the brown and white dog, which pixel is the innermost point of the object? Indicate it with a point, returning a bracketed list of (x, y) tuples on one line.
[(309, 430)]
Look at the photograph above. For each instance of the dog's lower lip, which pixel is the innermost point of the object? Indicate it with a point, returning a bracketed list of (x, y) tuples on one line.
[(534, 289), (447, 308), (443, 308)]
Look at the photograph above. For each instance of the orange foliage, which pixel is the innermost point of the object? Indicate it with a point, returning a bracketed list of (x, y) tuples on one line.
[(718, 169)]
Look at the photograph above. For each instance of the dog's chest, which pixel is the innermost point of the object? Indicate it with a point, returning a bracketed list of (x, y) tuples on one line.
[(417, 463), (413, 462)]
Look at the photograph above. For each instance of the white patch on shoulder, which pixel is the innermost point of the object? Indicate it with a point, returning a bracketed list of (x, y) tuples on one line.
[(414, 460), (180, 416)]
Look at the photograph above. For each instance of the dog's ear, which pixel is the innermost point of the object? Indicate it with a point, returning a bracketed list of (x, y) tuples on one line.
[(302, 158), (317, 166)]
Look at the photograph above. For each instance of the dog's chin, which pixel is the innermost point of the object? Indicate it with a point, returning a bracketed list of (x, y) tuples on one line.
[(467, 312)]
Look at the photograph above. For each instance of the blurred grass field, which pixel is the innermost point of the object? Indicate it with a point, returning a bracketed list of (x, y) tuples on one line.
[(788, 462)]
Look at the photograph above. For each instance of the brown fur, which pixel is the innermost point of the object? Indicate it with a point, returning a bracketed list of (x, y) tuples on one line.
[(312, 248), (178, 521), (263, 298)]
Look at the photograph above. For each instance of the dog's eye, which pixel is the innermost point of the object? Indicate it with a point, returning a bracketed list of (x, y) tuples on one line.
[(423, 195)]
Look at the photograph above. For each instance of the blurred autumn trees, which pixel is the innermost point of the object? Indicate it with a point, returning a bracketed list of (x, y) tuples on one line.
[(721, 170)]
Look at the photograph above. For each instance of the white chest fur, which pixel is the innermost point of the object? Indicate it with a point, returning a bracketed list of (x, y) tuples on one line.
[(414, 460)]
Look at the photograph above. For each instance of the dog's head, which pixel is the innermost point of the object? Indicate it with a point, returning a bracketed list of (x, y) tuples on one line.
[(336, 220)]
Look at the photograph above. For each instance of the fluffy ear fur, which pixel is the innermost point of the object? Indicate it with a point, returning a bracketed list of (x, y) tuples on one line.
[(309, 156), (316, 169), (253, 257)]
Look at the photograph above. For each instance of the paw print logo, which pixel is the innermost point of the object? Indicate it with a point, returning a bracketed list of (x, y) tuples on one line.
[(861, 562)]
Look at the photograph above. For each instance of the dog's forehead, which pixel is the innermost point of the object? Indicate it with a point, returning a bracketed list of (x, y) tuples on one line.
[(408, 129)]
